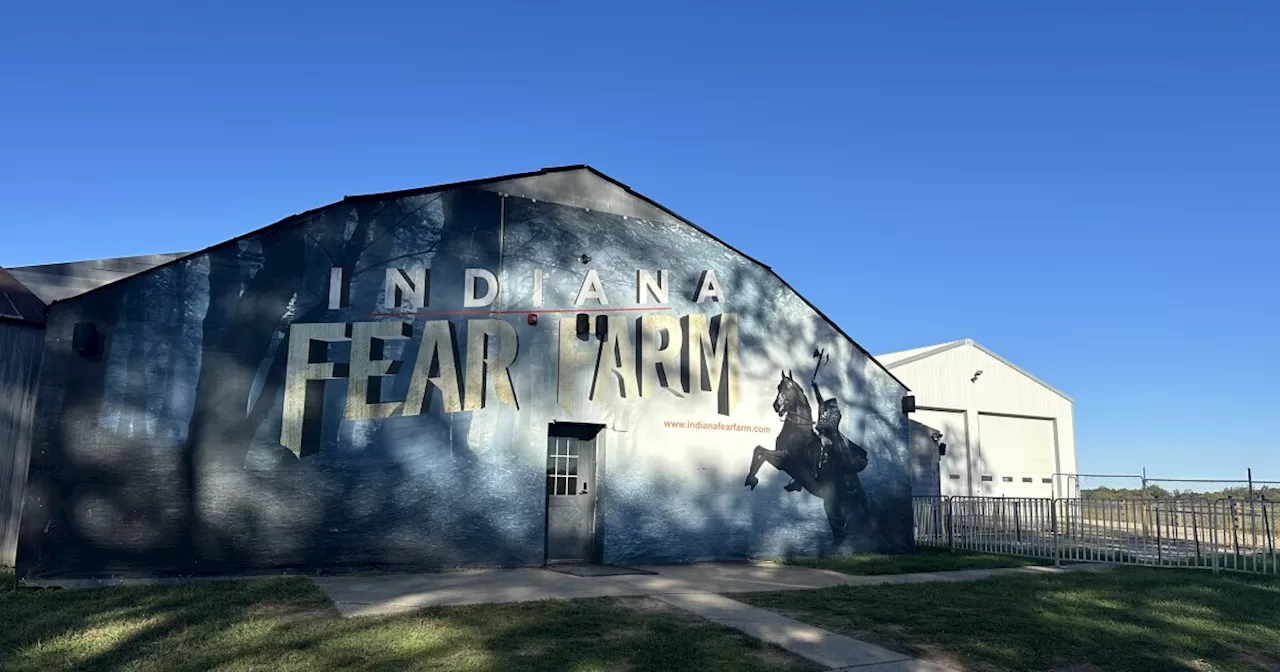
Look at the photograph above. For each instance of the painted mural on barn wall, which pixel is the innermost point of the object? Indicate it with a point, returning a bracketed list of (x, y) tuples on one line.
[(373, 384)]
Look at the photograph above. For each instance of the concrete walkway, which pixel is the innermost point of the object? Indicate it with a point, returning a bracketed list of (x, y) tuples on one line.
[(394, 593), (830, 650), (698, 589)]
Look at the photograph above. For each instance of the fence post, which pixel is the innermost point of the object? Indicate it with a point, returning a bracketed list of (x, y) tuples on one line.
[(1266, 530), (1159, 546), (950, 527), (1195, 532), (1017, 521), (1235, 536), (1146, 528), (939, 515), (1213, 533), (1053, 523)]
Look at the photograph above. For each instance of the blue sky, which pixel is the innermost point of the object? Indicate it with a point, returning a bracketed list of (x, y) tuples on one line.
[(1091, 189)]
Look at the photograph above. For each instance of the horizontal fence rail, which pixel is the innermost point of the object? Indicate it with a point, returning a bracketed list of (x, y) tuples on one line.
[(1219, 534)]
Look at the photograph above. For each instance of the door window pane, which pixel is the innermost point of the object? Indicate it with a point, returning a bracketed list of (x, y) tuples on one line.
[(562, 466)]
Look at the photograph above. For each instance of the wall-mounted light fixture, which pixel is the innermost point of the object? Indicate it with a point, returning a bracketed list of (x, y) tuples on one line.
[(584, 259), (977, 373), (532, 319), (583, 324), (909, 404)]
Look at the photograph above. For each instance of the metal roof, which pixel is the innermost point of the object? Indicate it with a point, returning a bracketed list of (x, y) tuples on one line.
[(889, 359), (894, 360), (58, 282), (17, 302)]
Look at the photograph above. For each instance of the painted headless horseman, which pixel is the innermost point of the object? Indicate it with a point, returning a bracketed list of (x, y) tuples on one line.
[(816, 455), (836, 456)]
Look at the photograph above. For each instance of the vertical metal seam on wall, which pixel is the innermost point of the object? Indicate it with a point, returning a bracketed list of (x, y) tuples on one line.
[(972, 435), (1057, 457), (502, 258), (597, 522)]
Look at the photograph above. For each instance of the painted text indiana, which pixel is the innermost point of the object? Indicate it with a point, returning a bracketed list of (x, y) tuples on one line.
[(629, 358)]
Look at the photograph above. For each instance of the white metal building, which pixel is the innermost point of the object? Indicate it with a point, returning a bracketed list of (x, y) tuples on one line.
[(1007, 433)]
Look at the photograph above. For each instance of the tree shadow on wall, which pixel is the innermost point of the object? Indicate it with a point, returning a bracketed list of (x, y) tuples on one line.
[(772, 324), (299, 515), (112, 504), (707, 514)]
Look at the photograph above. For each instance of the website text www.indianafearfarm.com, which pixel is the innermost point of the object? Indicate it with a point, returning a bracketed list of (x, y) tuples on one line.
[(716, 426)]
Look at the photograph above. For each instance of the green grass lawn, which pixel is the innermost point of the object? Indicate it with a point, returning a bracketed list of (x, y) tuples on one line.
[(1120, 619), (288, 624), (923, 560)]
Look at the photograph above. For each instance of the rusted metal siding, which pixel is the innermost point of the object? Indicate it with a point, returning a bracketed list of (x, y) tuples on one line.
[(20, 347)]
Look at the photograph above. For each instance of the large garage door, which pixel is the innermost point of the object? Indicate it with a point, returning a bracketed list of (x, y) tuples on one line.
[(953, 467), (1017, 455)]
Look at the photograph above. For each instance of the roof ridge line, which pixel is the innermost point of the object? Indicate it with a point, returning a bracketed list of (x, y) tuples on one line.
[(500, 178)]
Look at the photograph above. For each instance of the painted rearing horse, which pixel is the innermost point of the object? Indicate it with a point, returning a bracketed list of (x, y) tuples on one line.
[(794, 448), (796, 452)]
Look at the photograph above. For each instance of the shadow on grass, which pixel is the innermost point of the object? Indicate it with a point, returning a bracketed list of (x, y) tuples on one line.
[(1121, 619), (287, 624), (923, 560)]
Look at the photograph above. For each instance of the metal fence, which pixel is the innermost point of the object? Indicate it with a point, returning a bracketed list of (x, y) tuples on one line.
[(1120, 486), (1217, 534), (1212, 488)]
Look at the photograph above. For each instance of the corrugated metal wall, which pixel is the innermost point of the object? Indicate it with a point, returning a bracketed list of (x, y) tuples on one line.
[(20, 348)]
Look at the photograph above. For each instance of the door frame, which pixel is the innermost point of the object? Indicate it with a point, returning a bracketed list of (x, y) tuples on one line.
[(594, 434)]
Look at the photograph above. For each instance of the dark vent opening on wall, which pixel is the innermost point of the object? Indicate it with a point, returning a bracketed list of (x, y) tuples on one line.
[(1007, 479), (84, 338), (988, 479), (1027, 479), (1046, 480), (955, 477)]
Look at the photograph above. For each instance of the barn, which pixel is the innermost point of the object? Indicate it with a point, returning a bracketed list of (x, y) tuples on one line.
[(533, 368), (1005, 432)]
